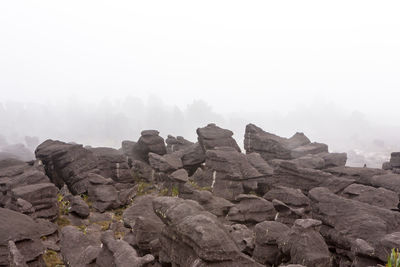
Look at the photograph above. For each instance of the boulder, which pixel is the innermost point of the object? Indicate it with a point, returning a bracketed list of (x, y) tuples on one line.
[(145, 224), (166, 163), (150, 141), (345, 220), (213, 136), (216, 205), (266, 249), (312, 148), (305, 245), (232, 173), (310, 161), (103, 197), (176, 143), (251, 209), (380, 197), (79, 207), (141, 171), (271, 146), (119, 253), (333, 159), (193, 236), (389, 181), (288, 174), (67, 164), (15, 258), (42, 197), (243, 237), (359, 175), (259, 164), (24, 232), (76, 245), (113, 164), (290, 196)]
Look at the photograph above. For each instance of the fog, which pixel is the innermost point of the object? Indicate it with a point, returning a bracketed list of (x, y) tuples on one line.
[(99, 72)]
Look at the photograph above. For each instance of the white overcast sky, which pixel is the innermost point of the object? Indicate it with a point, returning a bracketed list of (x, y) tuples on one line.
[(235, 55)]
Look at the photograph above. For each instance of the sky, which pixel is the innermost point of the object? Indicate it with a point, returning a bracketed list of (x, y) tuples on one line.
[(241, 57)]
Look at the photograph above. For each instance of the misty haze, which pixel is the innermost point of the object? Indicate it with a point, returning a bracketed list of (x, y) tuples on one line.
[(212, 133)]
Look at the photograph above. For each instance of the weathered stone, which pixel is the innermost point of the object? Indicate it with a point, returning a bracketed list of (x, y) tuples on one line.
[(74, 244), (166, 163), (333, 159), (79, 207), (213, 136), (380, 197), (271, 146), (145, 224), (313, 148), (346, 220), (243, 237), (113, 164), (15, 258), (305, 245), (176, 143), (24, 232), (290, 175), (251, 209), (67, 163), (194, 236), (43, 198), (266, 249), (290, 196), (230, 170), (150, 141), (122, 254)]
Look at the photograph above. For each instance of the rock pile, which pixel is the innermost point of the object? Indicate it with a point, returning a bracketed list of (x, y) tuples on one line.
[(284, 202)]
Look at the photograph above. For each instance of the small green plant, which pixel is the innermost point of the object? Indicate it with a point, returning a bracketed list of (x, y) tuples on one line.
[(163, 192), (62, 221), (63, 205), (105, 225), (394, 259), (143, 188), (82, 228), (52, 259), (175, 191), (117, 214), (197, 187), (85, 198)]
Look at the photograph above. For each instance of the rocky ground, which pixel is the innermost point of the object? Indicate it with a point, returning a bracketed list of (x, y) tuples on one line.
[(156, 202)]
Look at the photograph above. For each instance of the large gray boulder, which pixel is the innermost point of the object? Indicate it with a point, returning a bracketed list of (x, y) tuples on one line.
[(251, 209), (229, 173), (177, 143), (194, 237), (266, 249), (145, 224), (345, 220), (119, 253), (113, 164), (380, 197), (77, 248), (25, 233), (150, 141), (288, 174), (67, 164), (305, 245), (271, 146), (42, 197), (213, 136)]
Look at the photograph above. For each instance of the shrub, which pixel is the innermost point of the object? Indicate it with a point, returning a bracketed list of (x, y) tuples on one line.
[(394, 259)]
